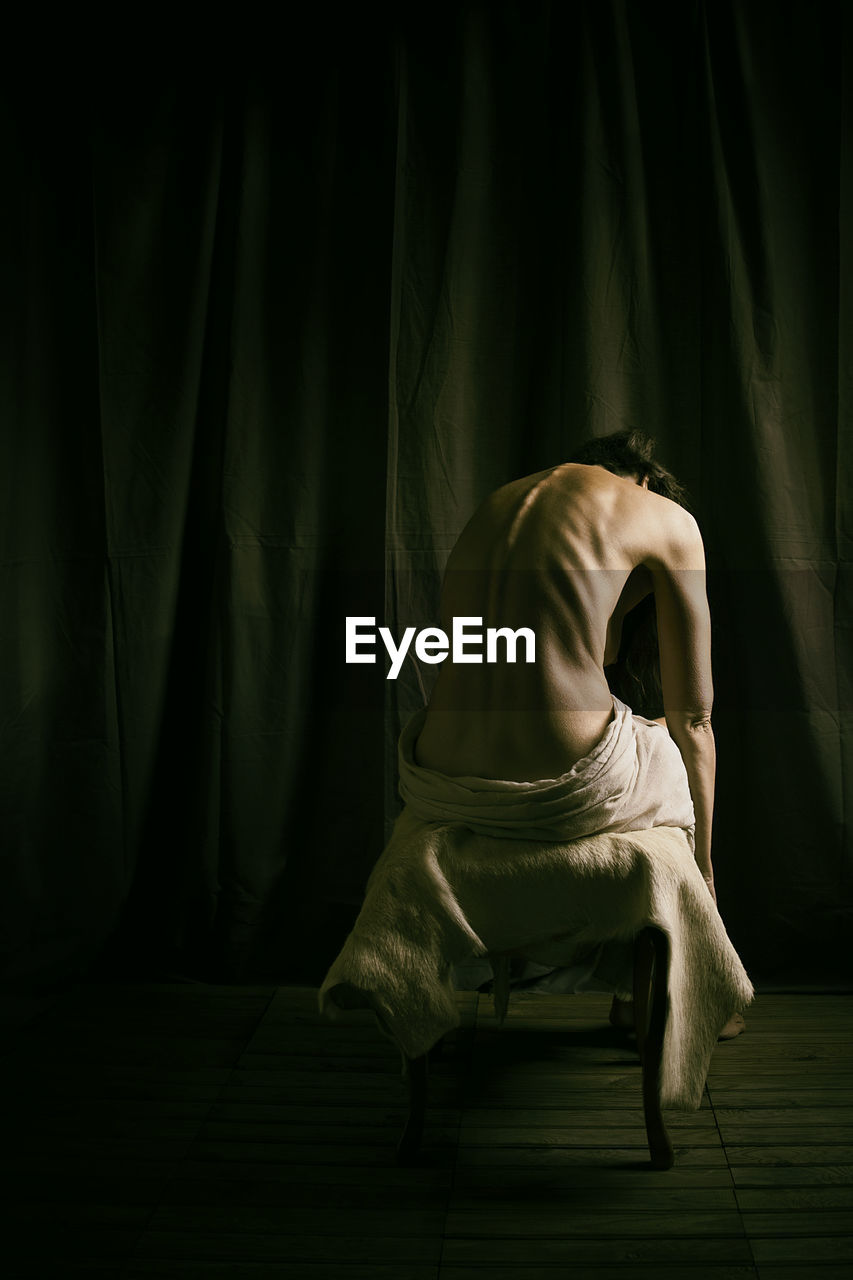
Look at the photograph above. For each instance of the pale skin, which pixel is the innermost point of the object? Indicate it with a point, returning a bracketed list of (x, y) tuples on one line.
[(568, 552)]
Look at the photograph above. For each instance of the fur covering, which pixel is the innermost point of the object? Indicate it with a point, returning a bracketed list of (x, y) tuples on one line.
[(441, 893), (545, 870)]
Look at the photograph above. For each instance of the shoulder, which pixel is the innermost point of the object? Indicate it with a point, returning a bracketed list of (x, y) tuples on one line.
[(670, 534)]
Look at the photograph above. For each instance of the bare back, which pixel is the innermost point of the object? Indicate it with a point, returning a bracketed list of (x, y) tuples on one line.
[(566, 553)]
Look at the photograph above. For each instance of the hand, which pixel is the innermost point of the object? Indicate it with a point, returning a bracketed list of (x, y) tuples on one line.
[(707, 875)]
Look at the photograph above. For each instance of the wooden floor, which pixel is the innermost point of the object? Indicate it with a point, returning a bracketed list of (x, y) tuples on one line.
[(207, 1132)]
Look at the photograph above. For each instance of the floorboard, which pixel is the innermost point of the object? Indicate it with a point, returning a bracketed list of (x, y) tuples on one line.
[(181, 1131)]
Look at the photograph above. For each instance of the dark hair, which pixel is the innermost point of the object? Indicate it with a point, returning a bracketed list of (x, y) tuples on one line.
[(631, 453), (635, 675)]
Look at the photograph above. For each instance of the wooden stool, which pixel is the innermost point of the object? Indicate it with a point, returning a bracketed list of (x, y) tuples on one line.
[(651, 963)]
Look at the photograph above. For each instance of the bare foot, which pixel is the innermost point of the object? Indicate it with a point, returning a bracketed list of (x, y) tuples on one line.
[(733, 1027), (622, 1014)]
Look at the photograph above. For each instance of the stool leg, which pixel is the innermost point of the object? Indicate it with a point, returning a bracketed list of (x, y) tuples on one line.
[(410, 1142), (651, 961)]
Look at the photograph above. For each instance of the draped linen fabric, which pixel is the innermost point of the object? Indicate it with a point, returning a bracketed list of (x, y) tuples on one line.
[(277, 319)]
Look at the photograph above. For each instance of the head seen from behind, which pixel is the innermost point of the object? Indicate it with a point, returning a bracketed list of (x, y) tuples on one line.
[(631, 454)]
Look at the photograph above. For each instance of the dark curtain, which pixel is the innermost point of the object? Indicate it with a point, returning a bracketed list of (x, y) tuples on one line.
[(278, 315)]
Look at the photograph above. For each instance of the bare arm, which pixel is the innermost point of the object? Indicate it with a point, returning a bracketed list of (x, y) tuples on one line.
[(684, 634)]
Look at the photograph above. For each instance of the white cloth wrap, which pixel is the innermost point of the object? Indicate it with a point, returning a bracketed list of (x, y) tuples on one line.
[(632, 780)]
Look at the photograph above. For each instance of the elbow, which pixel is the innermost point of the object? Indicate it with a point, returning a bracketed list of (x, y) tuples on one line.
[(691, 727), (693, 715)]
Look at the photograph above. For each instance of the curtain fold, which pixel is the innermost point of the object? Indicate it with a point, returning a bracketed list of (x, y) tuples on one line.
[(277, 320)]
